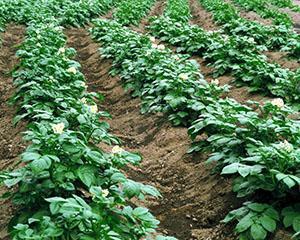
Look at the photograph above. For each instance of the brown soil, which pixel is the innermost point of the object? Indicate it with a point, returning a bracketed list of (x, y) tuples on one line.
[(202, 17), (194, 200), (11, 144), (282, 59), (251, 15), (156, 10), (295, 17)]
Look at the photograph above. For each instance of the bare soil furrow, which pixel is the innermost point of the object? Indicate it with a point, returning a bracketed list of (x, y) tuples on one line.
[(194, 200), (11, 144)]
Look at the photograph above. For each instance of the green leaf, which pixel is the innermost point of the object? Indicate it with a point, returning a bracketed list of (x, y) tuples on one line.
[(257, 207), (140, 211), (40, 164), (230, 169), (131, 189), (11, 182), (296, 224), (268, 223), (258, 232), (244, 224), (30, 156), (87, 174)]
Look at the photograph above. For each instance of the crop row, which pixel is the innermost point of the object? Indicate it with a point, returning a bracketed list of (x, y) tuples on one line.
[(66, 12), (265, 10), (286, 4), (258, 145), (271, 37), (235, 54), (132, 11), (65, 187)]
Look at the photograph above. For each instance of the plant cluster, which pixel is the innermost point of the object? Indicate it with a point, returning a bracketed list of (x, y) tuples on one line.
[(263, 8), (258, 145), (285, 4), (173, 7), (165, 82), (67, 187), (234, 54), (132, 11), (67, 12), (272, 37)]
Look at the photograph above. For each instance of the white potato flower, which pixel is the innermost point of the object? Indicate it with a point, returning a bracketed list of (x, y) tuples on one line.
[(215, 81), (161, 47), (58, 128), (72, 70), (154, 45), (176, 58), (152, 39), (61, 50), (116, 150), (183, 76), (286, 146), (94, 108), (278, 102), (105, 193)]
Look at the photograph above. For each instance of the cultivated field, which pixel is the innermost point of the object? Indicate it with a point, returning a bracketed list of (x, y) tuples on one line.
[(150, 119)]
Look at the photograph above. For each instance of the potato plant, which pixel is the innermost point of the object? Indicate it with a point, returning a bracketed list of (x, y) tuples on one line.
[(255, 144), (262, 8), (286, 4), (233, 54), (131, 12), (66, 187), (67, 12), (165, 83), (272, 37)]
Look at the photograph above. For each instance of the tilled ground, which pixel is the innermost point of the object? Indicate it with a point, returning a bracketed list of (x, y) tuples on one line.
[(11, 144), (194, 200)]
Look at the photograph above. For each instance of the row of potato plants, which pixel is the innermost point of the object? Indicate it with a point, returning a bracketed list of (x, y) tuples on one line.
[(286, 4), (238, 55), (271, 37), (65, 186), (67, 12), (68, 188), (264, 9), (130, 12), (258, 145)]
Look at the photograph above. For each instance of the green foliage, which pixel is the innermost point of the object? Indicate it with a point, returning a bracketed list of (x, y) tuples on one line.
[(67, 12), (285, 4), (165, 82), (244, 140), (291, 218), (261, 7), (67, 187), (255, 220), (272, 37), (131, 12), (235, 54)]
